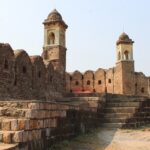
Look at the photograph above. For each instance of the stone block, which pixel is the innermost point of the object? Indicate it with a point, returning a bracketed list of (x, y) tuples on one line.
[(46, 123), (31, 114), (53, 123), (25, 136), (40, 124), (33, 124), (41, 105), (6, 125), (34, 106), (53, 107), (14, 124), (18, 137), (48, 131), (38, 134), (7, 137), (62, 113), (30, 135), (23, 124), (54, 114)]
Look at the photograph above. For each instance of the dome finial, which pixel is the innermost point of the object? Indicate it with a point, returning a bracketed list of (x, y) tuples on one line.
[(124, 39)]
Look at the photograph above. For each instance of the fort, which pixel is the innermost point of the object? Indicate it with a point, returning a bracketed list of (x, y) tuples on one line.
[(41, 103)]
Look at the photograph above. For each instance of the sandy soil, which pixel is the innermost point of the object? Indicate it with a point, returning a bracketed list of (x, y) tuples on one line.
[(110, 139)]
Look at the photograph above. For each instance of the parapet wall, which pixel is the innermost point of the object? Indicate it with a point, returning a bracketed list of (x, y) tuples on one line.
[(110, 81), (24, 77)]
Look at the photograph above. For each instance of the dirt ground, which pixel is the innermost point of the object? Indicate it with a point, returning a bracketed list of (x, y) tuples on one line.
[(109, 139)]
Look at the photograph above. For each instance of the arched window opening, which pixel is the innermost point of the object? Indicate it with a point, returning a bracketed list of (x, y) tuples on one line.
[(51, 38), (15, 81), (126, 55), (119, 56), (6, 64), (51, 79), (109, 80), (99, 82), (76, 83), (39, 74), (88, 82), (24, 69), (70, 78), (142, 90)]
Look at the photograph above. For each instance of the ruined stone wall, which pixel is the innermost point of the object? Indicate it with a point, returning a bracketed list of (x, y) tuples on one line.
[(118, 80), (7, 70), (37, 125), (141, 84), (110, 80), (24, 77)]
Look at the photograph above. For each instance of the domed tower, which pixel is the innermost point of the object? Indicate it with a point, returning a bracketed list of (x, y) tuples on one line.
[(124, 48), (54, 49), (124, 83)]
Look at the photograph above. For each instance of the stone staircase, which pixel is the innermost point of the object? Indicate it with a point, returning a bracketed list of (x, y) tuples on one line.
[(125, 111)]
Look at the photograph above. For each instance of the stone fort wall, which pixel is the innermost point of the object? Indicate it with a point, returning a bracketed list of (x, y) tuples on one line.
[(27, 77), (109, 81)]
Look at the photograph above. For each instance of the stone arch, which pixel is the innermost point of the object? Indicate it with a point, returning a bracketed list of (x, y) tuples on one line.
[(39, 77), (126, 55), (6, 70), (100, 80), (49, 80), (88, 81), (77, 77), (119, 55), (23, 75), (51, 38)]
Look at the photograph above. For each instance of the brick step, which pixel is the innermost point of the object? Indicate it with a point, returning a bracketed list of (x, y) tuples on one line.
[(71, 99), (123, 104), (31, 113), (122, 125), (125, 96), (124, 120), (115, 115), (4, 146), (120, 110), (124, 115), (125, 100)]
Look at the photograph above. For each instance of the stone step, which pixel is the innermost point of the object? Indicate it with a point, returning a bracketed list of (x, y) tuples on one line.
[(120, 110), (123, 104), (68, 99), (4, 146), (124, 120), (126, 100), (116, 115), (122, 125), (129, 115)]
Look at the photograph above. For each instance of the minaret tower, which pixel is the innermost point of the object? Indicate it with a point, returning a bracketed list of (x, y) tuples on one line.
[(54, 49), (124, 48), (124, 65)]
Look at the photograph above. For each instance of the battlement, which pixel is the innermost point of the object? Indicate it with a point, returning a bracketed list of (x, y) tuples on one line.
[(27, 77), (111, 81)]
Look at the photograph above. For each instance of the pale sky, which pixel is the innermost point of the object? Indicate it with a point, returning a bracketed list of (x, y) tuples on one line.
[(94, 27)]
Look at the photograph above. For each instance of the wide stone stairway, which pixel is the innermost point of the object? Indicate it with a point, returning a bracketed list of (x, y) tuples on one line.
[(125, 111)]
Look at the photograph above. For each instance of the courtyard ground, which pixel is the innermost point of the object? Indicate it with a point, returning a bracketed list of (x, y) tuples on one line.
[(109, 139)]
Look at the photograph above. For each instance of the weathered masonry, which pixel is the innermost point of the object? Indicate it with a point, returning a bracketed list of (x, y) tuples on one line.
[(41, 103)]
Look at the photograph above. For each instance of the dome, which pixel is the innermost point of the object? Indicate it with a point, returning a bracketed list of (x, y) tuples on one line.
[(124, 39), (54, 16)]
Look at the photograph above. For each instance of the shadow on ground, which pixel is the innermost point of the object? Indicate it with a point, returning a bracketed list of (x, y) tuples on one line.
[(96, 140)]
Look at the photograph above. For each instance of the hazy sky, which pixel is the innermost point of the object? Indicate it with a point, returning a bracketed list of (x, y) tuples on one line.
[(94, 27)]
